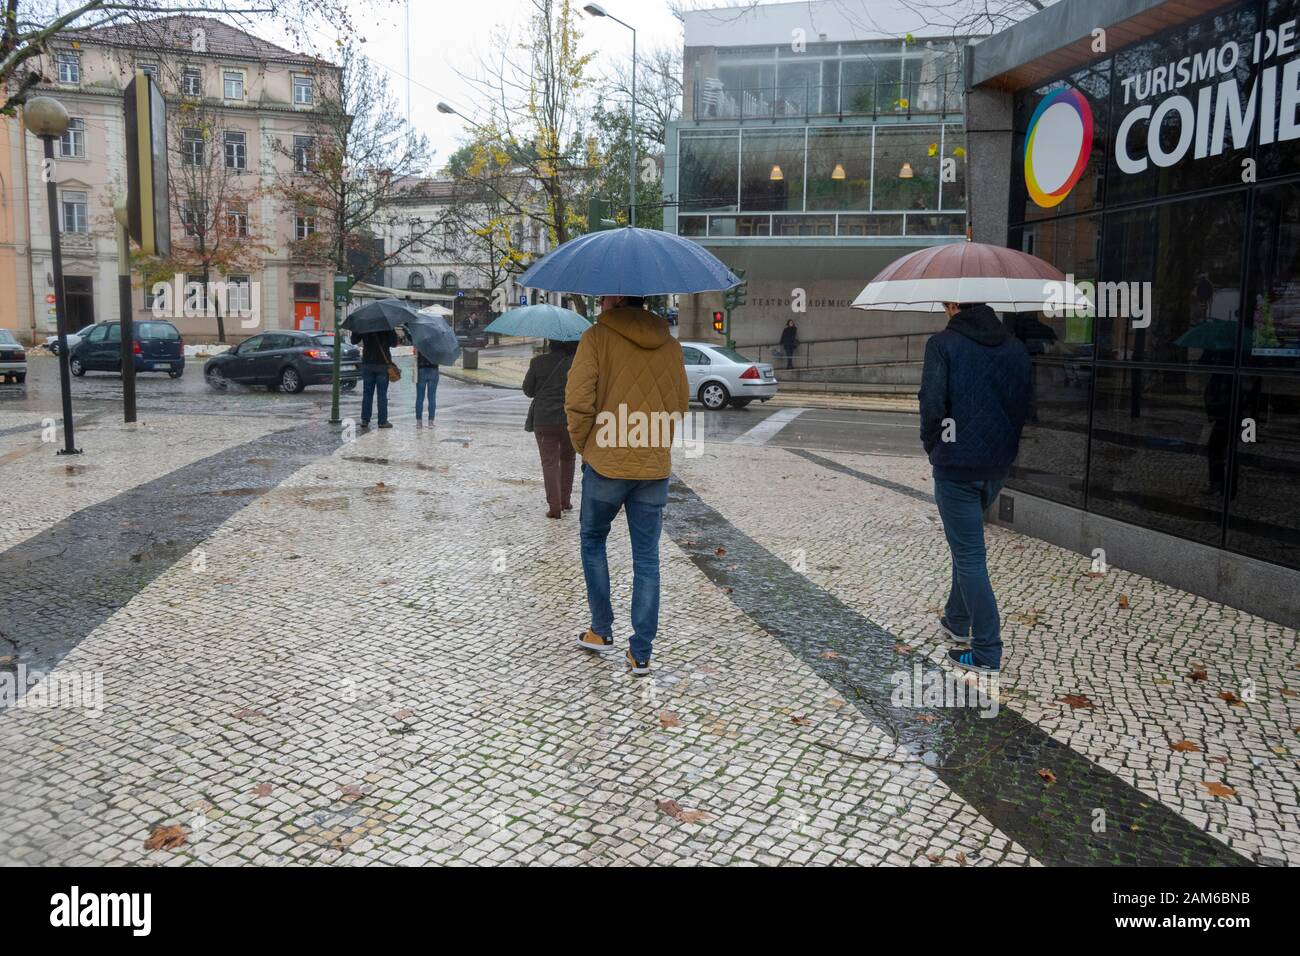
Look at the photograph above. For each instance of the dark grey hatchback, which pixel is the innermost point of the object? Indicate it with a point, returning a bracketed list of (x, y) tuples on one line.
[(283, 361)]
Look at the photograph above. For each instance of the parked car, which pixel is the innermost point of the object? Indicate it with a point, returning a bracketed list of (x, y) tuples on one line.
[(720, 376), (13, 358), (52, 341), (158, 348), (284, 361)]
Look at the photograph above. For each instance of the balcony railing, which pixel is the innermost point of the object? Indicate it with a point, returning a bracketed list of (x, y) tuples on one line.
[(933, 223)]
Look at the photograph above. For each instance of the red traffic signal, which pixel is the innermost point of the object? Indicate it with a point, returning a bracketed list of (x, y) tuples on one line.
[(719, 323)]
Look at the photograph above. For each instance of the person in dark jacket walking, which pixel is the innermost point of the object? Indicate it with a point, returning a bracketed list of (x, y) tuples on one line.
[(789, 342), (376, 357), (975, 396), (548, 374), (426, 386)]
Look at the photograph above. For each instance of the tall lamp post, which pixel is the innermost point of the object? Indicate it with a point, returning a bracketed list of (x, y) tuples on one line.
[(596, 10), (47, 119)]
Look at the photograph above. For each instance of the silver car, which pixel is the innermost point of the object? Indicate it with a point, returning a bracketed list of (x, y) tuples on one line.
[(52, 341), (13, 358), (721, 376)]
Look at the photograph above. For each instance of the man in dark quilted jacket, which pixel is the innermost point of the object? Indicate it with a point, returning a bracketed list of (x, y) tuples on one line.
[(975, 395)]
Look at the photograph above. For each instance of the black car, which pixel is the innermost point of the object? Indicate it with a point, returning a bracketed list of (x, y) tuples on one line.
[(283, 361), (13, 358), (158, 348)]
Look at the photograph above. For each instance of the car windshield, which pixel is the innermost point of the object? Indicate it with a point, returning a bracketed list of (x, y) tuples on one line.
[(7, 337), (325, 338), (732, 355), (158, 332), (84, 330)]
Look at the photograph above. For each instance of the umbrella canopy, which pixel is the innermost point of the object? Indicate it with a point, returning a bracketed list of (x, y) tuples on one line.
[(629, 261), (433, 338), (1004, 279), (544, 321), (1214, 335), (380, 316), (436, 309)]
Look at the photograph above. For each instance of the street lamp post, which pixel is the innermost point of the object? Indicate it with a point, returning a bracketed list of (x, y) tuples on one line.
[(596, 10), (46, 119)]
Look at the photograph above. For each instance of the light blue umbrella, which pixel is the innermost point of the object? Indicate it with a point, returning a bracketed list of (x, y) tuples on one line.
[(543, 321), (433, 338), (629, 261)]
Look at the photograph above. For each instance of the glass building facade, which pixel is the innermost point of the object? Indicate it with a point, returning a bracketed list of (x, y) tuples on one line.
[(1176, 406)]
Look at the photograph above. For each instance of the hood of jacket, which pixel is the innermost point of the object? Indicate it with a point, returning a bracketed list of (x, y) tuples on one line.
[(980, 324), (643, 329)]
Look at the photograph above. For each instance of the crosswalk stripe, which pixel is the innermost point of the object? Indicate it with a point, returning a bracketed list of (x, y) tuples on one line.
[(765, 430)]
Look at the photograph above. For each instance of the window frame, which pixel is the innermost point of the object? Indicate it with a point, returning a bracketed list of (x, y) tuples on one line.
[(188, 143), (80, 219), (240, 76), (300, 79), (65, 58), (241, 149), (74, 134)]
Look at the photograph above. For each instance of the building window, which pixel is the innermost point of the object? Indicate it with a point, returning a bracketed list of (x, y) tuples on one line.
[(415, 281), (907, 168), (449, 282), (237, 221), (72, 144), (75, 209), (304, 91), (193, 147), (304, 225), (236, 150), (772, 170), (69, 69), (192, 81), (232, 85), (306, 291), (708, 170), (304, 154), (194, 216), (191, 281), (239, 293)]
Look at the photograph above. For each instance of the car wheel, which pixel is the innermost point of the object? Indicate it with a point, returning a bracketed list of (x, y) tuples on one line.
[(348, 386), (177, 374), (740, 402), (216, 381), (714, 395), (291, 381), (76, 367)]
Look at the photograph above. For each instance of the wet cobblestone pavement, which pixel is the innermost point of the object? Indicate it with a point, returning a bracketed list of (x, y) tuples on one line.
[(329, 651)]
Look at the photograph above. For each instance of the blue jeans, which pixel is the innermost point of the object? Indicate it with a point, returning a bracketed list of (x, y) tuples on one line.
[(374, 378), (971, 603), (426, 383), (644, 500)]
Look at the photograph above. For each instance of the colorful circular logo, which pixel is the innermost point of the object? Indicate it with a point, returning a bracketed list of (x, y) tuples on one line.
[(1057, 146)]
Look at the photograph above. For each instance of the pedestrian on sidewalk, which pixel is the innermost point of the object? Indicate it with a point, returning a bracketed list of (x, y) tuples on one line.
[(376, 361), (789, 342), (628, 371), (548, 374), (975, 396), (426, 386)]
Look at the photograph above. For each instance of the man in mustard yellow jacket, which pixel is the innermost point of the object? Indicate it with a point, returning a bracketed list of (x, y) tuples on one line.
[(624, 401)]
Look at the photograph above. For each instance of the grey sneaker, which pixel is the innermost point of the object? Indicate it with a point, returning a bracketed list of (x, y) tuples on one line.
[(959, 638)]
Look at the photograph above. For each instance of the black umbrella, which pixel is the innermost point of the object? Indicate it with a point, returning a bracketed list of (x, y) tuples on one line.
[(381, 316)]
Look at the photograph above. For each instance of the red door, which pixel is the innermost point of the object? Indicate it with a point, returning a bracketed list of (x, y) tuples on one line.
[(306, 316)]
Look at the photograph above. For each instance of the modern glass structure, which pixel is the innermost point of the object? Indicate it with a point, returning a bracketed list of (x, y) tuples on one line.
[(1167, 172)]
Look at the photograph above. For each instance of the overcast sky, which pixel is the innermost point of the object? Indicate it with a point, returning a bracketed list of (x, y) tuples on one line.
[(448, 36)]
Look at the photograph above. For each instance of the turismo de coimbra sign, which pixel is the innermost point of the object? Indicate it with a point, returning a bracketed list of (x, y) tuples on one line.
[(1206, 117)]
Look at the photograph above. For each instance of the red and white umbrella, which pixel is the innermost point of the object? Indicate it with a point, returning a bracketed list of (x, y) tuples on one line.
[(1004, 279)]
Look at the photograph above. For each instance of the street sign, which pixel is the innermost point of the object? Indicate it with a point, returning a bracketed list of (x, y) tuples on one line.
[(148, 221), (523, 299)]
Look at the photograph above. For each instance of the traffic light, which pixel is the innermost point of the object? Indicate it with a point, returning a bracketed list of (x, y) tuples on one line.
[(734, 297), (719, 322)]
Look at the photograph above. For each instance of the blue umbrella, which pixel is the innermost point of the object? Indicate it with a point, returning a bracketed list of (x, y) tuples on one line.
[(543, 321), (629, 261), (433, 338)]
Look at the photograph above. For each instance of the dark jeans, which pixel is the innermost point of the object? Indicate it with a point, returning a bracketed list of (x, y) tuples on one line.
[(556, 452), (426, 383), (971, 603), (644, 500), (374, 378)]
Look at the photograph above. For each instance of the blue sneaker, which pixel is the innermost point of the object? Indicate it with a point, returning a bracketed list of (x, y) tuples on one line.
[(966, 661), (947, 629)]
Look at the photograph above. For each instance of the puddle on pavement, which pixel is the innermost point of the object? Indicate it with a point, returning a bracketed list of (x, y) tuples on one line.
[(417, 465), (71, 469)]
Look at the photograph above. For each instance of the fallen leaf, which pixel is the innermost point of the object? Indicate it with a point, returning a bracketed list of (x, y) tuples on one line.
[(404, 714), (926, 718), (934, 857), (262, 790), (674, 809), (961, 859), (1028, 619), (1077, 701), (350, 792), (1198, 673), (1047, 775), (1123, 601), (829, 655), (166, 838), (1286, 692), (1218, 789), (836, 702), (693, 816), (902, 648), (719, 551), (801, 720), (1095, 574), (1185, 747), (669, 719), (1219, 760), (1230, 697)]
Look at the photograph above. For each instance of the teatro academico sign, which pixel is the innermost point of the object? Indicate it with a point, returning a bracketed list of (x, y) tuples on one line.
[(1220, 115)]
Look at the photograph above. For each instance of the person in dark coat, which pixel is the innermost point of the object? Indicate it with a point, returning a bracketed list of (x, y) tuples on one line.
[(976, 392), (548, 374), (376, 356), (789, 342)]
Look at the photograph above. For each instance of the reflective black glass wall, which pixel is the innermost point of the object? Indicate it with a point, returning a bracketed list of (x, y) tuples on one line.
[(1177, 406)]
